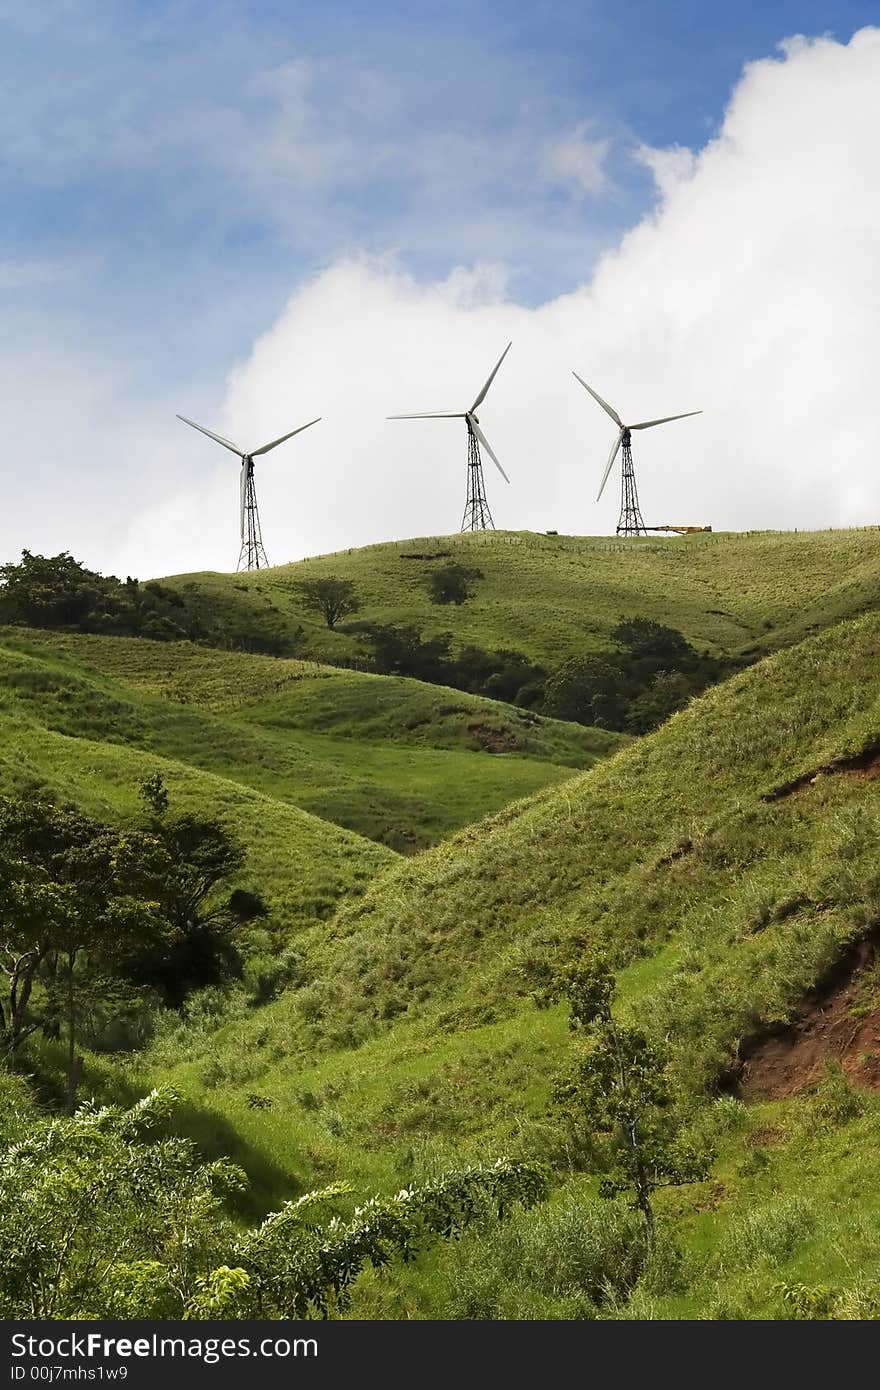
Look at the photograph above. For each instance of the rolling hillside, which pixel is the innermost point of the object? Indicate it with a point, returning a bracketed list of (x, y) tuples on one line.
[(556, 596), (727, 861), (394, 760)]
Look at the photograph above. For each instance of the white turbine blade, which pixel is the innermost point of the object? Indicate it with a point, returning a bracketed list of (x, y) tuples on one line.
[(612, 457), (488, 447), (211, 435), (266, 447), (604, 404), (646, 424), (431, 415), (243, 495), (482, 396)]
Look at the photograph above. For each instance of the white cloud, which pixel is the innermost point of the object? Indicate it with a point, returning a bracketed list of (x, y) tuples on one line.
[(751, 291), (579, 160)]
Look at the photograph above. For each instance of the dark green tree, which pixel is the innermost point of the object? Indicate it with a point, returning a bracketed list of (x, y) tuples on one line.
[(69, 920), (588, 690), (619, 1091), (452, 583), (332, 597), (669, 691), (400, 651), (57, 591), (514, 672), (188, 869), (644, 638)]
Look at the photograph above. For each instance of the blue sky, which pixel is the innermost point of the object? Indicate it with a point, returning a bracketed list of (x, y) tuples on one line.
[(171, 173), (147, 175)]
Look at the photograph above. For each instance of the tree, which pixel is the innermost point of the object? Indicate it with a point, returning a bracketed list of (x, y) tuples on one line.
[(332, 597), (400, 651), (514, 672), (619, 1089), (451, 583), (588, 690), (51, 591), (643, 638), (187, 871), (57, 591), (668, 692), (68, 919)]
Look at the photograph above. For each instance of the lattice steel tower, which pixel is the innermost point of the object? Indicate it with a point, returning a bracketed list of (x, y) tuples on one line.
[(477, 516), (630, 521), (252, 555)]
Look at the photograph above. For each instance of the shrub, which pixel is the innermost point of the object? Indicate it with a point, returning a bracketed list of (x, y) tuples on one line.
[(451, 583)]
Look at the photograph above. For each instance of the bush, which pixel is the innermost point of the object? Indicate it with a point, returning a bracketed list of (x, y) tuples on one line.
[(566, 1260), (103, 1216), (767, 1234), (451, 583), (589, 690)]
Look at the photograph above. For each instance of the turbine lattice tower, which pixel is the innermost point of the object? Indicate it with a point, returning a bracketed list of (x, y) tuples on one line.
[(630, 520), (252, 555), (477, 516)]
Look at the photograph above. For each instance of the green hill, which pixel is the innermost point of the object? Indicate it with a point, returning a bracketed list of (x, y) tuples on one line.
[(392, 759), (556, 596), (727, 861), (89, 743)]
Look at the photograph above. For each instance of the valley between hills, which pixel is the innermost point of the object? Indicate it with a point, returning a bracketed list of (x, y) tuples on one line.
[(431, 859)]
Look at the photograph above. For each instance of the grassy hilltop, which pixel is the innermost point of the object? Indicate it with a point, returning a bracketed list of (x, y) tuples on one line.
[(725, 862), (556, 596)]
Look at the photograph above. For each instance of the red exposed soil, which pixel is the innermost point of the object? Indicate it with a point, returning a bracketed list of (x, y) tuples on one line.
[(826, 1028), (494, 740)]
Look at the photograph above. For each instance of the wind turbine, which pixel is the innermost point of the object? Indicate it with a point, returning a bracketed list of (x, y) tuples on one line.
[(630, 520), (252, 555), (477, 516)]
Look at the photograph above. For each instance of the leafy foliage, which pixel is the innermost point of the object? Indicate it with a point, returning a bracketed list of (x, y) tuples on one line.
[(71, 919), (401, 651), (589, 690), (332, 597), (502, 675), (636, 688), (452, 583), (89, 912), (104, 1216), (59, 592), (190, 863), (619, 1089)]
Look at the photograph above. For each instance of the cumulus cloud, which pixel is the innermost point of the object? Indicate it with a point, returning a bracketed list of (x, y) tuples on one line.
[(751, 290)]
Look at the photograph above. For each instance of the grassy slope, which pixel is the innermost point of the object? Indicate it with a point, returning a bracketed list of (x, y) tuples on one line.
[(629, 849), (395, 760), (416, 1040), (89, 742), (554, 596)]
